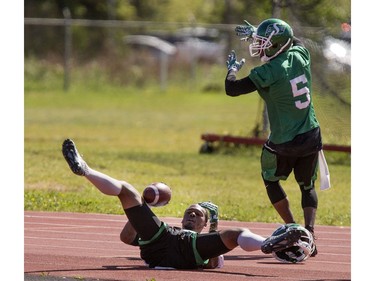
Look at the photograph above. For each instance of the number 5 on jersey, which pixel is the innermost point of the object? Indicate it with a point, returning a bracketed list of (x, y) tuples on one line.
[(299, 92)]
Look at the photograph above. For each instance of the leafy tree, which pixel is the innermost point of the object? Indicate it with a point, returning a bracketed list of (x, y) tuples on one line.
[(322, 15)]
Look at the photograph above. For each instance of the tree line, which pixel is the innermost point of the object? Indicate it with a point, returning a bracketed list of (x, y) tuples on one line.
[(324, 15)]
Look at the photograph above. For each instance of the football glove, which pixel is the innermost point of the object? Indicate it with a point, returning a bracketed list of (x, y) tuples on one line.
[(232, 63), (214, 214), (213, 210), (245, 31)]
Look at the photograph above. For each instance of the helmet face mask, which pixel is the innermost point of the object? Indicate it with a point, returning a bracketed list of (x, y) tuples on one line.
[(272, 37), (259, 44)]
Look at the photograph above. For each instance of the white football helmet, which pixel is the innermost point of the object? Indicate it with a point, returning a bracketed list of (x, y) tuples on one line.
[(302, 249)]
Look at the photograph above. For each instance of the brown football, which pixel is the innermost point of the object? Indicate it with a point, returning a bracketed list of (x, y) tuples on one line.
[(157, 194)]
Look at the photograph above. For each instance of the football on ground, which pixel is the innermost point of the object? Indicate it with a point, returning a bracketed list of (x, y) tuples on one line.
[(157, 194)]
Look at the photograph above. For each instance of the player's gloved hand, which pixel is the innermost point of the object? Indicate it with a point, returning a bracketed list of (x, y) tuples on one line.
[(245, 31), (213, 210), (232, 63), (214, 214)]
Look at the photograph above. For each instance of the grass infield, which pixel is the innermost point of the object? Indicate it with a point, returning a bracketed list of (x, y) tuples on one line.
[(144, 135)]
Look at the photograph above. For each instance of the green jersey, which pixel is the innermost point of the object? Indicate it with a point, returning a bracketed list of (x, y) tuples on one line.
[(284, 83)]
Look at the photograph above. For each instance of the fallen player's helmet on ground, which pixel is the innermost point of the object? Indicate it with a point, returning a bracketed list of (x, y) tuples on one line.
[(302, 248)]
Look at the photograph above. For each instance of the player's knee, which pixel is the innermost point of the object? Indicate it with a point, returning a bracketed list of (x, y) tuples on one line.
[(133, 241), (129, 237), (274, 190), (124, 237), (309, 197)]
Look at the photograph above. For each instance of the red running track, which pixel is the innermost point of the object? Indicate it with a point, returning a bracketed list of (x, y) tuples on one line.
[(87, 246)]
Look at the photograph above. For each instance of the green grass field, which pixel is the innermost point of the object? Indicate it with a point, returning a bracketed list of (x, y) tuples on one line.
[(146, 135)]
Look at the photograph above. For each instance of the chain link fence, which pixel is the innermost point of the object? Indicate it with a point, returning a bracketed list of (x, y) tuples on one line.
[(139, 53)]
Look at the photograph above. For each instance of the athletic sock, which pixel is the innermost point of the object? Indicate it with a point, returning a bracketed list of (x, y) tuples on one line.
[(250, 241), (105, 183)]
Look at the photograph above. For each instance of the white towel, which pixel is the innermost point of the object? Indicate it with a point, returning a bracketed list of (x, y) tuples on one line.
[(324, 172)]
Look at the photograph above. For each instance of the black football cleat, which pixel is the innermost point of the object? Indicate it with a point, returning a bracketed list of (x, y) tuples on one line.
[(315, 250), (74, 160), (280, 242)]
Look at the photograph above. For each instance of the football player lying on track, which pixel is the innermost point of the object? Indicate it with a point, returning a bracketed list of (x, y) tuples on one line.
[(164, 246)]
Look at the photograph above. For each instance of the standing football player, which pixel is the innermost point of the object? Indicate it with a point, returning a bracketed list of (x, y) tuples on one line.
[(284, 83)]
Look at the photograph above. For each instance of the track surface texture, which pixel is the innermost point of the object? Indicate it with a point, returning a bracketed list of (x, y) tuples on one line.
[(77, 246)]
